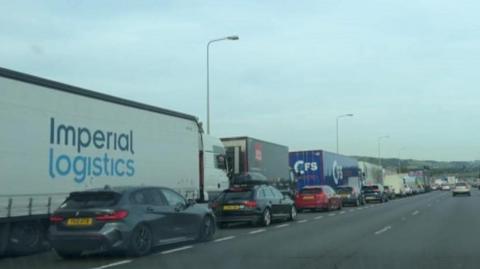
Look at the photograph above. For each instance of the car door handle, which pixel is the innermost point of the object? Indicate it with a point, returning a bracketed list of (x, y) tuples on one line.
[(150, 209)]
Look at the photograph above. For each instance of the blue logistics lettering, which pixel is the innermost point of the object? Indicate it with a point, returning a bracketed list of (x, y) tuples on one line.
[(81, 166)]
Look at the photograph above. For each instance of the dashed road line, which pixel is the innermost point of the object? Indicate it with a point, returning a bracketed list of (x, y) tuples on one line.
[(415, 212), (282, 225), (302, 221), (351, 210), (175, 250), (318, 217), (383, 230), (342, 212), (257, 231), (331, 214), (223, 239), (112, 264)]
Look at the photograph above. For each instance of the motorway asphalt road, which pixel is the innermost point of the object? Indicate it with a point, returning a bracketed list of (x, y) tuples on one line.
[(433, 230)]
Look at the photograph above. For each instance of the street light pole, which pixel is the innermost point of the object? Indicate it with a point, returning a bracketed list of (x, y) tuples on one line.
[(208, 74), (379, 156), (338, 117)]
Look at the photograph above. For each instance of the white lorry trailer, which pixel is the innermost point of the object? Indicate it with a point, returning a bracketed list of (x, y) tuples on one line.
[(56, 138)]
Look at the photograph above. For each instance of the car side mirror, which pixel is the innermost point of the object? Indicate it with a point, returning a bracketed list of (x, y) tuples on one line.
[(180, 206), (190, 202)]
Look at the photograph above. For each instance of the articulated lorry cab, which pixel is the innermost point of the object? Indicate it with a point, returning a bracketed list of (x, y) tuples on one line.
[(58, 138)]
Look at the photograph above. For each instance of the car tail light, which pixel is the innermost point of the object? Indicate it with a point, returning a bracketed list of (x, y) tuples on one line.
[(115, 216), (321, 196), (250, 204), (56, 219)]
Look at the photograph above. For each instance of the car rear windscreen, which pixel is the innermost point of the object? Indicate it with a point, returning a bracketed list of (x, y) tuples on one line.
[(311, 191), (82, 200), (238, 195), (344, 190), (369, 188)]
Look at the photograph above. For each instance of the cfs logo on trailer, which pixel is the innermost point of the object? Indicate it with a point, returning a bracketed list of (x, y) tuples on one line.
[(337, 172), (301, 167)]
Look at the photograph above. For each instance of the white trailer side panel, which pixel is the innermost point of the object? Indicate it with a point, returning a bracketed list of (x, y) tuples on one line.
[(40, 156)]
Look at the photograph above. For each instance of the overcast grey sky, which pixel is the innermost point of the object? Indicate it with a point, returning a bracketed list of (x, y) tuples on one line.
[(408, 69)]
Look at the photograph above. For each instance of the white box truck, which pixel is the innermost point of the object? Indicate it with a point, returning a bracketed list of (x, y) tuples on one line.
[(56, 138), (396, 182)]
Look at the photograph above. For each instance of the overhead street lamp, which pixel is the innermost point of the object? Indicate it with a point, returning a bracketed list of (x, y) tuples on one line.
[(339, 117), (379, 140), (233, 37)]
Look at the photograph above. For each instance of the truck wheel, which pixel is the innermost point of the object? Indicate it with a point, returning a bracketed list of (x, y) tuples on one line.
[(25, 238), (141, 241), (266, 218), (207, 229)]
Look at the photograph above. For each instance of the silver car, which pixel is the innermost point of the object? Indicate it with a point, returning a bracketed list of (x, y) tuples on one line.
[(461, 188)]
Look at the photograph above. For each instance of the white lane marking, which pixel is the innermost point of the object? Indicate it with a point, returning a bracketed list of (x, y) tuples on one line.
[(318, 217), (342, 212), (331, 214), (257, 231), (415, 212), (282, 225), (223, 239), (175, 250), (351, 210), (383, 230), (360, 208), (112, 264), (302, 221)]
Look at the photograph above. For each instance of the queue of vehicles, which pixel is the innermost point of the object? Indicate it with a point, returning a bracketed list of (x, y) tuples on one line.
[(89, 171)]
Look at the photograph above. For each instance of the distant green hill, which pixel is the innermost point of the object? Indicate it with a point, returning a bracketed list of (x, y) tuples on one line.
[(434, 168)]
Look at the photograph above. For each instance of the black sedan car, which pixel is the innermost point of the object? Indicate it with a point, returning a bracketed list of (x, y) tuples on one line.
[(257, 204), (374, 192), (350, 196), (129, 219)]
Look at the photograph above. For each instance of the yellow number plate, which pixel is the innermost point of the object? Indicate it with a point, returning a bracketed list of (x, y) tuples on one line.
[(310, 197), (79, 222), (231, 207)]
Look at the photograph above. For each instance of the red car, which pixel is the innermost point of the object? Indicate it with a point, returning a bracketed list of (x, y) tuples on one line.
[(317, 197)]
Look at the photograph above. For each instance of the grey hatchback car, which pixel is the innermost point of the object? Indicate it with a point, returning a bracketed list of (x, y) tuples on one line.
[(129, 219)]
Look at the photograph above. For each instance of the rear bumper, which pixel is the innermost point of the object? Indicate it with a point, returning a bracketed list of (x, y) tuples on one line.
[(78, 241), (239, 218), (373, 198), (301, 206), (350, 200), (461, 192)]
